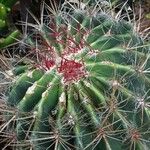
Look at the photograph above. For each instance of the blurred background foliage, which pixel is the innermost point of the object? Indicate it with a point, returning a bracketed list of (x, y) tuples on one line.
[(13, 12)]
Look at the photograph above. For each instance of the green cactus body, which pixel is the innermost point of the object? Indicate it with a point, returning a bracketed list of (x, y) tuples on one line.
[(90, 88)]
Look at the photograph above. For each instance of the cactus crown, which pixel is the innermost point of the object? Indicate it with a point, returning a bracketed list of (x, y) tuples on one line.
[(87, 89)]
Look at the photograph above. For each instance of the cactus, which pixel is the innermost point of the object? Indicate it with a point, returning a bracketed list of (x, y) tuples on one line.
[(6, 33), (88, 88)]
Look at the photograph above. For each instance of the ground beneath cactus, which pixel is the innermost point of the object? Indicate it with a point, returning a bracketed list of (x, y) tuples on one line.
[(3, 86), (5, 65), (142, 15)]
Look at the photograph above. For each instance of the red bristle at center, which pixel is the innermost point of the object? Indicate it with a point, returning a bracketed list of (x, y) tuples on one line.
[(71, 70)]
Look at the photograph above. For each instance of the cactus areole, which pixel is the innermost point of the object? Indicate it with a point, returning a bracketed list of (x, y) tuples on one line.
[(88, 88)]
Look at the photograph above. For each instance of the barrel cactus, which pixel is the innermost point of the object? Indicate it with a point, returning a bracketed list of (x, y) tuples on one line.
[(86, 88)]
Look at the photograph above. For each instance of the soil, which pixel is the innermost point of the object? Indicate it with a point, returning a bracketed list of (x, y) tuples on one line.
[(142, 14)]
